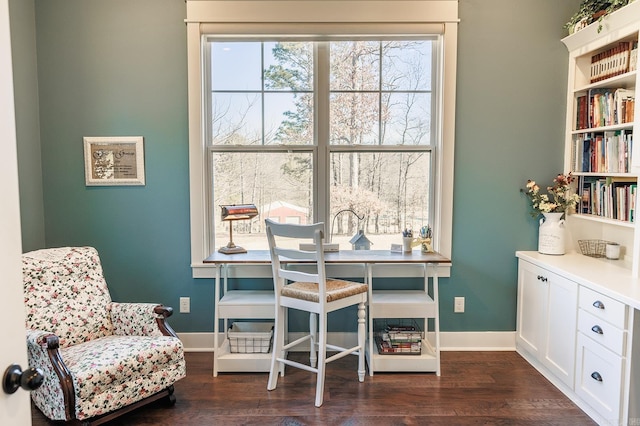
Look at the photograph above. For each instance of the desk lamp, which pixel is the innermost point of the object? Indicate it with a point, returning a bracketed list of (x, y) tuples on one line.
[(232, 213)]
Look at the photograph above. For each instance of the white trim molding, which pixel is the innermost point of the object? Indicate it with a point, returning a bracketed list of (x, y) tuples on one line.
[(449, 341), (320, 17)]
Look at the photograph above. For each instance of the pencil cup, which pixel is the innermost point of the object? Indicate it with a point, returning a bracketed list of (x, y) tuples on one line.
[(406, 243)]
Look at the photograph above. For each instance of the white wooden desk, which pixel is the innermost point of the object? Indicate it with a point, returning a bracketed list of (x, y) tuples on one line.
[(396, 303)]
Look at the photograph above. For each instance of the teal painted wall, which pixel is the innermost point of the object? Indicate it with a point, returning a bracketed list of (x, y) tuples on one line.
[(510, 116), (25, 87), (118, 67)]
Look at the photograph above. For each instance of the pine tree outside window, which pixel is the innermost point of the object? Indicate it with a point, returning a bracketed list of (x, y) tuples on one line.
[(306, 129)]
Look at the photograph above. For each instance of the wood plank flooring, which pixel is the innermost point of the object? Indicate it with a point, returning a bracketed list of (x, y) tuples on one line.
[(475, 388)]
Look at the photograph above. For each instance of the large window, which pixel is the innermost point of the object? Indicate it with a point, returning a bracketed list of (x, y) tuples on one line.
[(335, 131), (334, 111)]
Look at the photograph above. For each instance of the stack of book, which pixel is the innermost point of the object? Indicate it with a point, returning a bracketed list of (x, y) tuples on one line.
[(611, 62), (399, 339)]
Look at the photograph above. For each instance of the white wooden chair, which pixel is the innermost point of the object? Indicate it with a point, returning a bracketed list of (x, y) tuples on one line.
[(314, 293)]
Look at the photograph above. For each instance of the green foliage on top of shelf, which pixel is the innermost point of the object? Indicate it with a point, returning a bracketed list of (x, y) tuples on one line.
[(589, 12)]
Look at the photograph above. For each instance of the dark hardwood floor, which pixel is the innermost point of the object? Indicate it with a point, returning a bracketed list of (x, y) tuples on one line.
[(475, 388)]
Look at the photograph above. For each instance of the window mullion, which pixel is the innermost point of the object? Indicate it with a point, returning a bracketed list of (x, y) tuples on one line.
[(322, 132)]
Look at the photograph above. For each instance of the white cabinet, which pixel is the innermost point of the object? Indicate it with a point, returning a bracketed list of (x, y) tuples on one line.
[(601, 351), (578, 323), (602, 128), (546, 321)]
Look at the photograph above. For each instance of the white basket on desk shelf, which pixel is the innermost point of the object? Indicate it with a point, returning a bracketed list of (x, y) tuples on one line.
[(250, 337)]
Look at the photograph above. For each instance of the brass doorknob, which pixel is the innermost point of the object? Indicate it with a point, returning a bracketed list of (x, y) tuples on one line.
[(14, 378)]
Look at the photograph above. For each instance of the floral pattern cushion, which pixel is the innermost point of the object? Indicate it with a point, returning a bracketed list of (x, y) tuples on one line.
[(114, 352), (65, 293)]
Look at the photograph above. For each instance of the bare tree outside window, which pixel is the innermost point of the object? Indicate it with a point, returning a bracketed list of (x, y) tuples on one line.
[(263, 147)]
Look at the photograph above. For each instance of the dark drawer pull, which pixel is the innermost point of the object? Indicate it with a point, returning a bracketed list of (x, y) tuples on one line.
[(598, 304), (596, 376), (597, 329), (541, 278)]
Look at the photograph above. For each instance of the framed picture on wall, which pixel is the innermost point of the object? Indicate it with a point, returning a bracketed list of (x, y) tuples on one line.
[(114, 160)]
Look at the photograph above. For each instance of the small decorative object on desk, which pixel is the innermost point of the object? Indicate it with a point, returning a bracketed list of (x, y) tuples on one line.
[(553, 206), (407, 240), (425, 239)]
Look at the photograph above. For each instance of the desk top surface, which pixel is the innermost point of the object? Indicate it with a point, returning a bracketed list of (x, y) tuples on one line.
[(342, 256)]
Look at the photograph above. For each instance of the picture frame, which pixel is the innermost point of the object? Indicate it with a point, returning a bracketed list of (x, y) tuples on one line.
[(114, 160)]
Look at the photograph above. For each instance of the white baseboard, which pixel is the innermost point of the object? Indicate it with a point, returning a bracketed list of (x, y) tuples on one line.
[(449, 341)]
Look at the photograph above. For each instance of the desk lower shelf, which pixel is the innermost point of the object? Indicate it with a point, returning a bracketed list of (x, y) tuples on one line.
[(238, 362), (426, 362)]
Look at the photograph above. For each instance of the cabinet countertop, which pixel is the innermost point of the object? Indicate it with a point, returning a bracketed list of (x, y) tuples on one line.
[(599, 275)]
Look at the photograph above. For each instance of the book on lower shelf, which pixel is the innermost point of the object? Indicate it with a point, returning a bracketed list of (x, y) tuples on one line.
[(609, 197), (402, 337)]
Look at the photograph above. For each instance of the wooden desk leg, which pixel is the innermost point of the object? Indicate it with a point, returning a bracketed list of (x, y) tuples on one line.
[(436, 320), (368, 278), (216, 318)]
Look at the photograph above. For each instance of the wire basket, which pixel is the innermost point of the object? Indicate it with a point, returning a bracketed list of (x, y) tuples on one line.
[(399, 337), (593, 248), (250, 337)]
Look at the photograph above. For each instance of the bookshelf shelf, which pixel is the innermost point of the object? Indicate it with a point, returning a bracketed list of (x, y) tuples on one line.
[(602, 127)]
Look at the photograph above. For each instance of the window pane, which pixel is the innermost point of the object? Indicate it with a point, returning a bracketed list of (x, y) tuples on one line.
[(288, 66), (354, 118), (408, 118), (355, 65), (391, 190), (236, 119), (288, 118), (406, 65), (236, 66), (279, 184)]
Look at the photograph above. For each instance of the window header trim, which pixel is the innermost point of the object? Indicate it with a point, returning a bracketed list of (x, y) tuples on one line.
[(322, 11)]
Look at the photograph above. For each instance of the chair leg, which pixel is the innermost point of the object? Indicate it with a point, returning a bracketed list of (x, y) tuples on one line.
[(278, 343), (313, 344), (322, 356), (361, 340)]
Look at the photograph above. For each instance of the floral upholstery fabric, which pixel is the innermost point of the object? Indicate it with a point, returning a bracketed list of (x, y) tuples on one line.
[(134, 319), (66, 294), (114, 352)]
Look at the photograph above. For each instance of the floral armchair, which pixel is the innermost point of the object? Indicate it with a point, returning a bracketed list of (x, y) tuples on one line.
[(100, 358)]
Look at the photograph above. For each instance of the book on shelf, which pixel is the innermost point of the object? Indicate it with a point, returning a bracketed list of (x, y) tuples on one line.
[(609, 197), (633, 56), (602, 152), (624, 100), (601, 107), (611, 62)]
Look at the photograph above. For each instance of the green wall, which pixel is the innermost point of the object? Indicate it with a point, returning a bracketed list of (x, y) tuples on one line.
[(118, 67)]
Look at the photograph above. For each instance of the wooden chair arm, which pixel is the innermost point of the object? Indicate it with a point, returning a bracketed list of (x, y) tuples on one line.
[(163, 313), (51, 344)]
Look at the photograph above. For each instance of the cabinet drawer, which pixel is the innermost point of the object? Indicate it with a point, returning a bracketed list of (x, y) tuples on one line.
[(603, 307), (602, 332), (599, 377)]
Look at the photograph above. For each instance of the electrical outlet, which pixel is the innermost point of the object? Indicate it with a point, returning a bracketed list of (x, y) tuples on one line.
[(185, 305), (458, 305)]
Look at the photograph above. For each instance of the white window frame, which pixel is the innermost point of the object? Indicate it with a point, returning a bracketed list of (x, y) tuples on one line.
[(319, 18)]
